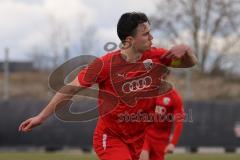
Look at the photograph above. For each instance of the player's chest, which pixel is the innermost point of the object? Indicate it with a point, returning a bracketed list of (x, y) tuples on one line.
[(164, 105)]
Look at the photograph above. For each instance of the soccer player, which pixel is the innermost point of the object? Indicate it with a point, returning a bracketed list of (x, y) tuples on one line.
[(169, 118), (126, 74)]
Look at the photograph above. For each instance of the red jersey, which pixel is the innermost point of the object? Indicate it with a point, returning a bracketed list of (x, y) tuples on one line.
[(125, 89), (169, 111)]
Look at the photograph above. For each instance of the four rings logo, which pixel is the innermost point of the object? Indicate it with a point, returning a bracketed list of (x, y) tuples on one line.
[(137, 85)]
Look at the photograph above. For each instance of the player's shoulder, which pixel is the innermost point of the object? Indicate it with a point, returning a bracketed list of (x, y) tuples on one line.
[(175, 95), (107, 56), (158, 49), (174, 92)]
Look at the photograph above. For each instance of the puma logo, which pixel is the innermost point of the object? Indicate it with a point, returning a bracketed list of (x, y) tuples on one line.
[(121, 75)]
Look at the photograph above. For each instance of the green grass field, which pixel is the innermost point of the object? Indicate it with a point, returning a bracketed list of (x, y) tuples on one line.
[(68, 156)]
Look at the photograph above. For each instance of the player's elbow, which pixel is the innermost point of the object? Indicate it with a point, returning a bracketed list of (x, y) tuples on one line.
[(194, 61), (189, 61)]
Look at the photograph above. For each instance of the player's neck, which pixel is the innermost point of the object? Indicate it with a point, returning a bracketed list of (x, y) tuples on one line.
[(131, 55)]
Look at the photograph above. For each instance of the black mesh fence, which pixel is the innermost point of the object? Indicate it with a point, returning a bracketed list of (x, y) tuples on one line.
[(210, 124)]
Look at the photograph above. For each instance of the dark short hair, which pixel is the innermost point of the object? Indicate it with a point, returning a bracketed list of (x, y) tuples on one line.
[(128, 23)]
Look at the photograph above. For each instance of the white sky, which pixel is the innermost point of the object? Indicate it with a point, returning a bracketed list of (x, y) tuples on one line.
[(24, 24)]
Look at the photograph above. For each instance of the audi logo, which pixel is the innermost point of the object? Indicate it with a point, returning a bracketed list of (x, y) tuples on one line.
[(137, 85)]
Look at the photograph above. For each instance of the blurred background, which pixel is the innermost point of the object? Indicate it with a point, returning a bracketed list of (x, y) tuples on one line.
[(37, 36)]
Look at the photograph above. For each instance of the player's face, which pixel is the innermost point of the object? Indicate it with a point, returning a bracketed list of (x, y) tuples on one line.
[(142, 41)]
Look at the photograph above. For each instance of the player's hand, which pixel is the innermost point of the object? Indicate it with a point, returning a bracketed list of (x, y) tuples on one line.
[(30, 123), (169, 149), (144, 155), (178, 51)]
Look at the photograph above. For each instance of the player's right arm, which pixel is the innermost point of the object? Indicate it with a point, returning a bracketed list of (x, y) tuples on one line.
[(66, 92), (92, 74)]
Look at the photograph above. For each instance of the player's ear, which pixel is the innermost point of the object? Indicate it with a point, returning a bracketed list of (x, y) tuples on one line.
[(128, 42), (129, 39)]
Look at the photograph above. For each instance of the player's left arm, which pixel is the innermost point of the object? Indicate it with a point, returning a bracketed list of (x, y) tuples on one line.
[(182, 56), (176, 135), (179, 116)]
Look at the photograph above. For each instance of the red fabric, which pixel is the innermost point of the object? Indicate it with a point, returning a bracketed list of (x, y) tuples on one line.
[(146, 145), (100, 72), (158, 134), (109, 146), (155, 148)]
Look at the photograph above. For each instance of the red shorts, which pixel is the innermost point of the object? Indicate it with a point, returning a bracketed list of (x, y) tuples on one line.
[(155, 148), (109, 146)]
